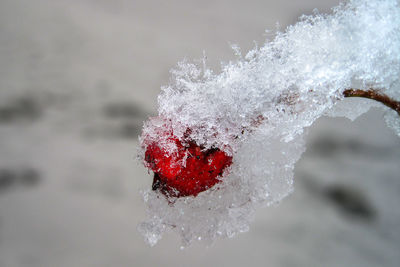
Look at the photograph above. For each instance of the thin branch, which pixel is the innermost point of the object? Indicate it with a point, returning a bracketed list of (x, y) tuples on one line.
[(374, 95)]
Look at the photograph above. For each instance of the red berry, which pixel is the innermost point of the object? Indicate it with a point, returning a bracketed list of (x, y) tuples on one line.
[(186, 172)]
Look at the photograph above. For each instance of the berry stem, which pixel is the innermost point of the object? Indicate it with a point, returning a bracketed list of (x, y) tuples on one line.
[(374, 95)]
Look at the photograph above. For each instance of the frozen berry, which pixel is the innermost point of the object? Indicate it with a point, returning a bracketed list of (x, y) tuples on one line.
[(187, 171)]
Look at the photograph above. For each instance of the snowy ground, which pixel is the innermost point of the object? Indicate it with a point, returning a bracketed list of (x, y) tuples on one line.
[(77, 79)]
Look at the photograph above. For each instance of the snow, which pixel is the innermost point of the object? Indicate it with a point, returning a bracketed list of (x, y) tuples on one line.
[(290, 82), (392, 120)]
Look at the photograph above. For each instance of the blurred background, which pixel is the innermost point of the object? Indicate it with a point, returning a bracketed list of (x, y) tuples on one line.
[(77, 80)]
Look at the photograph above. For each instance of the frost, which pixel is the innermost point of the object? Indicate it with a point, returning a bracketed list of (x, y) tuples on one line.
[(392, 120), (351, 108), (258, 107)]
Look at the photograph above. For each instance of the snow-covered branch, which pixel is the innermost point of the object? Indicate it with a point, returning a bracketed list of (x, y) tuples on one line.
[(275, 92)]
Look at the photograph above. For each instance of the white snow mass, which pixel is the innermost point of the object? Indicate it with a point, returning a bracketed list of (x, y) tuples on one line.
[(288, 83)]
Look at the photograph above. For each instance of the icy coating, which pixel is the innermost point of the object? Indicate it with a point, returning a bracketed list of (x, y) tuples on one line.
[(258, 107)]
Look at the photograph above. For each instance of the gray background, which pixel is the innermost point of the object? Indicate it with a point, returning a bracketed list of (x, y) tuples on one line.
[(77, 80)]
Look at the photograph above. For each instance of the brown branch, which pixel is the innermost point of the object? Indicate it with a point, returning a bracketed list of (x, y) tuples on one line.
[(374, 95)]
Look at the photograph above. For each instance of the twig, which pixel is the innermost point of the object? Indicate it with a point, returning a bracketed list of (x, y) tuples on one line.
[(374, 95)]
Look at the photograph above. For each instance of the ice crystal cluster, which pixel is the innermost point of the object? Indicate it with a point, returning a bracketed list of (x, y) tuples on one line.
[(258, 107)]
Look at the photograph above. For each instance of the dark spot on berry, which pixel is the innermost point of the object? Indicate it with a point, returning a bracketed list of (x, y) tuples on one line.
[(156, 182)]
